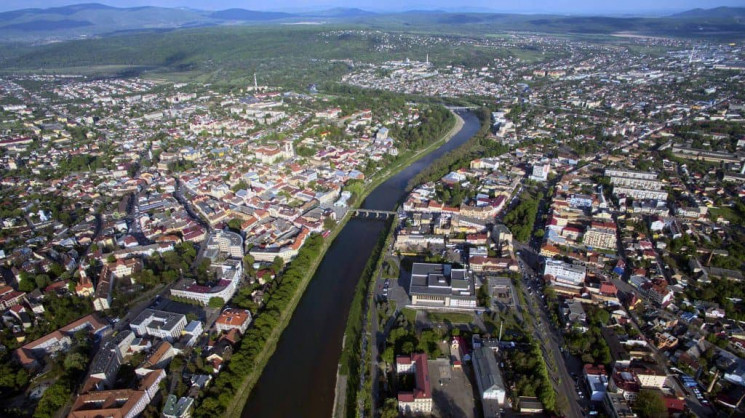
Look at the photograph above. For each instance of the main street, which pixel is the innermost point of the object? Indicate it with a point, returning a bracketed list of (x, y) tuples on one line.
[(549, 338)]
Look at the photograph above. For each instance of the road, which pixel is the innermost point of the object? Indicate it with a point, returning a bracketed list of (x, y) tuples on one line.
[(551, 340), (178, 194)]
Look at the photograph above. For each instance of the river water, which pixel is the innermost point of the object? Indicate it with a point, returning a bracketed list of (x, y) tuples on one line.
[(300, 378)]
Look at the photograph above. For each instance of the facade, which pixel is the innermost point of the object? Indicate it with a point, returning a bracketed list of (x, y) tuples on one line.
[(488, 375), (642, 175), (418, 401), (565, 273), (161, 324), (600, 235), (635, 183), (640, 193), (440, 285)]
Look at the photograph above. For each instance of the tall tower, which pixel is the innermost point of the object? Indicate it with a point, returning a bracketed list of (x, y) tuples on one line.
[(256, 84), (427, 58)]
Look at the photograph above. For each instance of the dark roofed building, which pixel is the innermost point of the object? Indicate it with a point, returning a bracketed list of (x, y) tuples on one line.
[(441, 285)]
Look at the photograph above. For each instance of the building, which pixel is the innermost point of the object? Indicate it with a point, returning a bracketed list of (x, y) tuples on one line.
[(121, 403), (231, 273), (640, 193), (564, 273), (124, 403), (178, 407), (233, 319), (440, 285), (105, 365), (502, 237), (540, 172), (226, 242), (600, 235), (624, 382), (617, 407), (650, 375), (597, 381), (529, 405), (161, 324), (419, 400), (643, 175), (59, 340), (488, 375)]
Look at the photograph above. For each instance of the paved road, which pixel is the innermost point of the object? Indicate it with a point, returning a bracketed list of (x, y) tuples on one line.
[(551, 342)]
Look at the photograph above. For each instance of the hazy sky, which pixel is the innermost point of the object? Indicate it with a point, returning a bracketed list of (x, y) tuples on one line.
[(529, 6)]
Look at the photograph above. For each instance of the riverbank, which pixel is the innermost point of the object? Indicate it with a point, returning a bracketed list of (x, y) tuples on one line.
[(355, 359), (235, 407), (393, 169)]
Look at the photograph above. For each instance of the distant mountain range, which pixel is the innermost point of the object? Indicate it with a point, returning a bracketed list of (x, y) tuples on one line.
[(95, 20), (716, 13)]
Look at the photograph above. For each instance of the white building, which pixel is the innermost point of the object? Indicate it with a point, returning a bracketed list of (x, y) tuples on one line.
[(565, 273), (161, 324), (540, 172)]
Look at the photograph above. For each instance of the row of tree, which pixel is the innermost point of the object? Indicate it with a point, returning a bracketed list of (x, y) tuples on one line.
[(521, 219), (245, 361)]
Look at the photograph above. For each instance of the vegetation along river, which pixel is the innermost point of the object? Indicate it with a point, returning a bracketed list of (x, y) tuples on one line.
[(299, 379)]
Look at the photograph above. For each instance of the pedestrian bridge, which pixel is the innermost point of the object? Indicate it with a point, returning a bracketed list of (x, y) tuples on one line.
[(460, 108), (373, 213)]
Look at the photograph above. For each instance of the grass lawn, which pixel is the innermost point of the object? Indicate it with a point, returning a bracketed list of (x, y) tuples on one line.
[(453, 318), (409, 314)]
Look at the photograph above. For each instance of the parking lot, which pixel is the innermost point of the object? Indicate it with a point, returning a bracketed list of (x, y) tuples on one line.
[(453, 392)]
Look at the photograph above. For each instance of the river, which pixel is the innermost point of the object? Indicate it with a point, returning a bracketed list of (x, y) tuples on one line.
[(300, 378)]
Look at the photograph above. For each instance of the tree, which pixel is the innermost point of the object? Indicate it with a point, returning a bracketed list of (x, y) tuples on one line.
[(26, 284), (483, 295), (329, 223), (650, 404), (277, 264), (76, 362), (390, 409), (248, 263), (111, 259), (42, 281), (235, 224), (216, 302)]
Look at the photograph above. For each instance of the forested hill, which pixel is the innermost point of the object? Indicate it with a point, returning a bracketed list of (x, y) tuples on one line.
[(95, 20)]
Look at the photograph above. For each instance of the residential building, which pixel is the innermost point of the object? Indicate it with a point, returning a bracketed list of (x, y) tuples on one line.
[(233, 319), (419, 400)]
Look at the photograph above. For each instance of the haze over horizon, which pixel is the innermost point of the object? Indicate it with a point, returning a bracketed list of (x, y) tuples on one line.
[(635, 7)]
